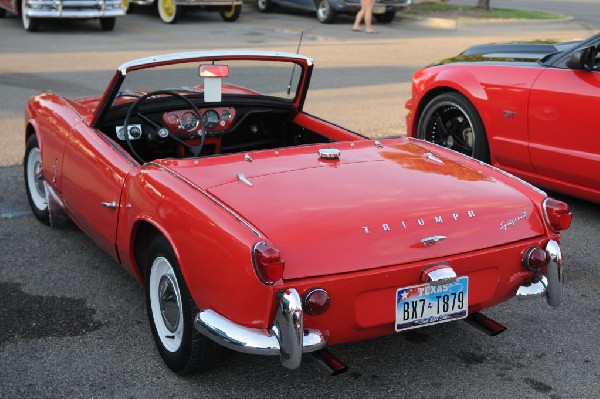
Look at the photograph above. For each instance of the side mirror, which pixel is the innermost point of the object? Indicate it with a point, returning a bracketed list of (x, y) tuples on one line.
[(583, 59)]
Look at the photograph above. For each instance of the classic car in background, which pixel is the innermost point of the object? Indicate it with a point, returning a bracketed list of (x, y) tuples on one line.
[(528, 108), (169, 11), (258, 227), (34, 11), (328, 10)]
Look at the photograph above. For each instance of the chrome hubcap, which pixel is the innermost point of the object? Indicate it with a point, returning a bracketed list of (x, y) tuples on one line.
[(169, 308), (35, 179), (323, 9)]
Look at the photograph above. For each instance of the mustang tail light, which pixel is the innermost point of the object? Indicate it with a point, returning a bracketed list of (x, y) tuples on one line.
[(534, 259), (316, 301), (267, 263), (557, 214)]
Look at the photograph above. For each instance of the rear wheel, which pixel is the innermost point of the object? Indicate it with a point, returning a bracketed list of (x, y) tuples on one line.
[(29, 24), (386, 17), (168, 11), (264, 5), (232, 14), (450, 120), (108, 24), (34, 180), (325, 13), (2, 13), (171, 312)]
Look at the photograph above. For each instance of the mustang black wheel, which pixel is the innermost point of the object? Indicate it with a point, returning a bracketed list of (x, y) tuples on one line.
[(29, 24), (171, 312), (325, 13), (34, 180), (108, 24), (264, 5), (232, 14), (450, 120), (386, 17), (168, 11)]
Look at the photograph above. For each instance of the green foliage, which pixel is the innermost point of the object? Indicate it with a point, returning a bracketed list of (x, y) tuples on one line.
[(457, 11)]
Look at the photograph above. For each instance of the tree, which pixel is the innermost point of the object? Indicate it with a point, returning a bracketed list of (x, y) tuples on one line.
[(483, 4)]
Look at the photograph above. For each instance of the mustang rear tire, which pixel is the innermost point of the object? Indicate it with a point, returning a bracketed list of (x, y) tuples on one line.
[(171, 312), (168, 11), (108, 24), (264, 5), (450, 120), (232, 14), (34, 180), (325, 13)]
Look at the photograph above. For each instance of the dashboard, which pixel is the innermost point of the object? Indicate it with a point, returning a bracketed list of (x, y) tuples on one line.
[(214, 120)]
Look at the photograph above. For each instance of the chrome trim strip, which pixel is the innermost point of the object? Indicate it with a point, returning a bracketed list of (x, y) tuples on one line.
[(287, 338), (554, 273), (211, 197), (200, 55)]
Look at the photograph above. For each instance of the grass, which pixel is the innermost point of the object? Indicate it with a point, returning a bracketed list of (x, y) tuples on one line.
[(456, 11)]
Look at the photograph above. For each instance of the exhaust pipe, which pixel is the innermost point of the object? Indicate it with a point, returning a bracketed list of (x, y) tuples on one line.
[(485, 324), (334, 365)]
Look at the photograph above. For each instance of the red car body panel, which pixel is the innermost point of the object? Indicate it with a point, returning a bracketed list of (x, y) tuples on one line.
[(536, 115), (354, 226)]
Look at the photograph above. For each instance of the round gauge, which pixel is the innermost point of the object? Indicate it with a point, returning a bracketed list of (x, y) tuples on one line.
[(225, 115), (189, 121), (135, 132), (173, 119), (210, 119)]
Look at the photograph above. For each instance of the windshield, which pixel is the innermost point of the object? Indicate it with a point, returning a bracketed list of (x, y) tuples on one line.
[(246, 77)]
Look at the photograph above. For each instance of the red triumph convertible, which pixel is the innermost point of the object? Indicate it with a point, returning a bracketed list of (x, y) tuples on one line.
[(260, 228), (527, 108)]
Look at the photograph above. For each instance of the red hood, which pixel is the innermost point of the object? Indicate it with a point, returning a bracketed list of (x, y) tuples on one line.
[(370, 209)]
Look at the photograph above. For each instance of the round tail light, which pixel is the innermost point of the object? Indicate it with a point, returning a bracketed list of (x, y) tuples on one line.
[(267, 263), (316, 301), (534, 259), (558, 215)]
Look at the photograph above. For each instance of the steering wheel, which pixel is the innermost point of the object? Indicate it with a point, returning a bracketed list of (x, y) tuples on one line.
[(163, 131)]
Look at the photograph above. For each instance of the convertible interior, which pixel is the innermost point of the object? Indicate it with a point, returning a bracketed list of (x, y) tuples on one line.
[(169, 124)]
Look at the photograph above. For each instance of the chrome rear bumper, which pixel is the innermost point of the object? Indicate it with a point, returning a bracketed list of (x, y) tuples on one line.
[(286, 338), (552, 283)]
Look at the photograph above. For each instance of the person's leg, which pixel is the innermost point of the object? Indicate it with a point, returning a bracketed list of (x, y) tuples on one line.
[(360, 15), (369, 16)]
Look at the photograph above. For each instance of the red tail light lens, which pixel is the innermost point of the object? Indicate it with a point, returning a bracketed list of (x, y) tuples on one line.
[(316, 301), (534, 259), (267, 263), (557, 214)]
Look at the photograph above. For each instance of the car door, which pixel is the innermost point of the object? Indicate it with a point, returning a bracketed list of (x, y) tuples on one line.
[(94, 172), (564, 132)]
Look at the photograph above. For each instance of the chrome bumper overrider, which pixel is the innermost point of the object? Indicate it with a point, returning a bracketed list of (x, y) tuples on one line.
[(286, 338), (552, 283)]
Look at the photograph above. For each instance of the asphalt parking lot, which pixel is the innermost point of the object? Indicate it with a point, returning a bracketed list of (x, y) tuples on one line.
[(73, 323)]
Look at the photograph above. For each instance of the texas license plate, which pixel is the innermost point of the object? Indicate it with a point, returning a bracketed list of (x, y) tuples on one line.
[(378, 9), (426, 304)]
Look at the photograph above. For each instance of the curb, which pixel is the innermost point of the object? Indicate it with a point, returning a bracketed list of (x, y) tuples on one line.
[(446, 23)]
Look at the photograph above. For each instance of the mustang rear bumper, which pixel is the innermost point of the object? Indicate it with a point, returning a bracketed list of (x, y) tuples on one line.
[(287, 338), (552, 283)]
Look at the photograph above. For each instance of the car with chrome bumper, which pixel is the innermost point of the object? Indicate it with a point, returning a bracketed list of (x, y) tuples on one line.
[(328, 10), (32, 12), (261, 228)]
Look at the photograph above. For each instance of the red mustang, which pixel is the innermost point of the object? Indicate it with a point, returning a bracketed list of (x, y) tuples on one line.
[(257, 227), (527, 108)]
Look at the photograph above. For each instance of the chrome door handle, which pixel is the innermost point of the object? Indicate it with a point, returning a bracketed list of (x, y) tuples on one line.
[(110, 205)]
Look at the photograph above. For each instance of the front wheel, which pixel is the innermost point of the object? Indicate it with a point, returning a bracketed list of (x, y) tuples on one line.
[(325, 13), (29, 24), (386, 17), (34, 180), (264, 5), (232, 14), (108, 24), (451, 120), (168, 11), (171, 312)]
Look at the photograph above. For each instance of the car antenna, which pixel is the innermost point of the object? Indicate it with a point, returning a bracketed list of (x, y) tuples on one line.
[(294, 68)]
